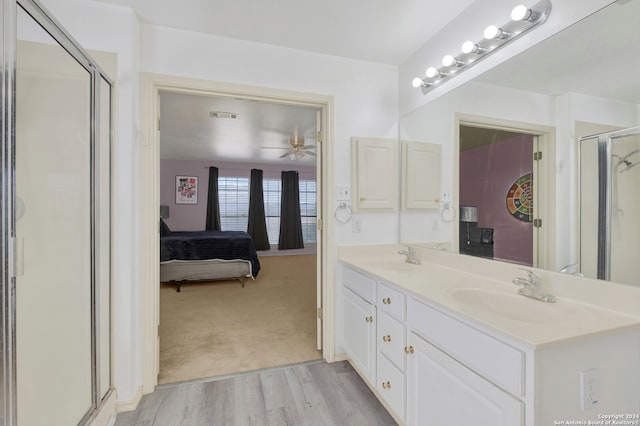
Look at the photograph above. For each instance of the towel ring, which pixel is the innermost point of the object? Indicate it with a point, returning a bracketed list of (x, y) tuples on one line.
[(448, 212), (343, 213)]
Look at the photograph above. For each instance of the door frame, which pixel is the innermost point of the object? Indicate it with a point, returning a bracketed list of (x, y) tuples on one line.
[(152, 84), (545, 182)]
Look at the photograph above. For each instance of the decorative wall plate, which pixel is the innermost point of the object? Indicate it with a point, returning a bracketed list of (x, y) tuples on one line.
[(520, 198)]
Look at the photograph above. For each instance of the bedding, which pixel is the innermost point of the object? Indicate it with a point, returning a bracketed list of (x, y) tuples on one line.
[(203, 245)]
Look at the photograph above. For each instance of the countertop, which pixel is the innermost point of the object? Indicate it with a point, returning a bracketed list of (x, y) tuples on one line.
[(480, 292)]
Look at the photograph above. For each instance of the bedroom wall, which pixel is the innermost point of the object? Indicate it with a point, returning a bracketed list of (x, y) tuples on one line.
[(192, 217), (485, 186)]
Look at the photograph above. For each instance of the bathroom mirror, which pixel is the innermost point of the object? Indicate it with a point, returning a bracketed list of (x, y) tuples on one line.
[(582, 81)]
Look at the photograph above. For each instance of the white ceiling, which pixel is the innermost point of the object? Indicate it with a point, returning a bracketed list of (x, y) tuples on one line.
[(382, 31), (187, 132)]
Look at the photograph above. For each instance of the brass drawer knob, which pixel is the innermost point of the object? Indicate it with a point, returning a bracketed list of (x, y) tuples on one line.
[(408, 349), (386, 300), (386, 338), (386, 385), (361, 198), (369, 319)]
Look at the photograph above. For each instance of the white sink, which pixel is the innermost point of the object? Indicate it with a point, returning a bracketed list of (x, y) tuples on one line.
[(519, 308)]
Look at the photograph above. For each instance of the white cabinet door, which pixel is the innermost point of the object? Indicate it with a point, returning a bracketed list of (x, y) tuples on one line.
[(420, 175), (442, 391), (375, 171), (359, 332)]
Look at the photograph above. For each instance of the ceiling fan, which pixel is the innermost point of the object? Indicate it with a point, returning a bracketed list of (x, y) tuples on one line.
[(296, 149)]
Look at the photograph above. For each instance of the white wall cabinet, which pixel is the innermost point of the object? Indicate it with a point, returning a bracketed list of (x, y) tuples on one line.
[(374, 173), (420, 175)]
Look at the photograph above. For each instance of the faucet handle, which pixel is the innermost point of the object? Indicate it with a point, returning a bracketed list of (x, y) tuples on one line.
[(533, 277)]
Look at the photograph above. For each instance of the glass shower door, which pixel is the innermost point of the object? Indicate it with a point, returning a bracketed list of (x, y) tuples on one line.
[(53, 179), (610, 206), (625, 208)]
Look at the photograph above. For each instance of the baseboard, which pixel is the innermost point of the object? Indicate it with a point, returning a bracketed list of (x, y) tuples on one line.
[(341, 357), (132, 403)]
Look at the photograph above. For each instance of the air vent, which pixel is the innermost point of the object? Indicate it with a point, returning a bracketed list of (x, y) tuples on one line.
[(221, 114)]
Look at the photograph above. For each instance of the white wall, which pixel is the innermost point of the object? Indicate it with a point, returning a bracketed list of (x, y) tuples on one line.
[(365, 94), (104, 27)]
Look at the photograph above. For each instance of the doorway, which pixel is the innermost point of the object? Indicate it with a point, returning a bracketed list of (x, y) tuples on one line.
[(220, 327), (503, 188), (155, 84)]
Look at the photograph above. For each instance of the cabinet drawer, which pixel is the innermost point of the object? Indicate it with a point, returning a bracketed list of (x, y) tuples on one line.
[(391, 385), (360, 284), (391, 339), (487, 356), (391, 301)]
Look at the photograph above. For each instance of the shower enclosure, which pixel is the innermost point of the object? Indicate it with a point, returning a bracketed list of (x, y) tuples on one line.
[(55, 227), (609, 206)]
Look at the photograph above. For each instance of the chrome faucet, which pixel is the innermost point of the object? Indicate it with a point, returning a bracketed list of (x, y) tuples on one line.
[(412, 255), (531, 287)]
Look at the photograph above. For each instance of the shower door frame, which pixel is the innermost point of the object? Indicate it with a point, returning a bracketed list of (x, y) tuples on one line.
[(8, 48), (605, 151)]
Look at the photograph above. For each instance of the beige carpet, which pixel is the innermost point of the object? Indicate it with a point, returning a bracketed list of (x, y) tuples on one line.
[(216, 328)]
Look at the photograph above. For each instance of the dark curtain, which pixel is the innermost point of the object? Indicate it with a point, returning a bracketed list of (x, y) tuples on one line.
[(257, 225), (213, 204), (290, 221)]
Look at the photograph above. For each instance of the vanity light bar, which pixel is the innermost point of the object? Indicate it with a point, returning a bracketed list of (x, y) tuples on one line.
[(522, 20)]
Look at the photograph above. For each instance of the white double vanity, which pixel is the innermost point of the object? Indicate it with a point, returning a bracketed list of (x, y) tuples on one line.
[(451, 342)]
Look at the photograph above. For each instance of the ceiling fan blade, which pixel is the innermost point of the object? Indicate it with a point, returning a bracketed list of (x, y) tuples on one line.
[(286, 154), (310, 153), (274, 147)]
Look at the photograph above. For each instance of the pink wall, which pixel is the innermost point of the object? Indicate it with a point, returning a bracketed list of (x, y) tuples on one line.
[(486, 174), (192, 217)]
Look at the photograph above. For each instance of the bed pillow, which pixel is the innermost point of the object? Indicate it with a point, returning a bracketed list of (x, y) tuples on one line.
[(164, 229)]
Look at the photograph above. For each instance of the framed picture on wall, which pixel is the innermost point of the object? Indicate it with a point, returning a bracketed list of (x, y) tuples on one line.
[(186, 190)]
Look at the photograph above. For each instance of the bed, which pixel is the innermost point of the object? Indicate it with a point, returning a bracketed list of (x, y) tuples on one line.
[(206, 256)]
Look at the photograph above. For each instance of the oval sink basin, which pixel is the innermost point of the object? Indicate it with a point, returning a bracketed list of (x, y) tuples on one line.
[(518, 308)]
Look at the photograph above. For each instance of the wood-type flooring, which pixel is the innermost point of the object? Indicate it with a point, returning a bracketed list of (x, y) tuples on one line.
[(310, 394)]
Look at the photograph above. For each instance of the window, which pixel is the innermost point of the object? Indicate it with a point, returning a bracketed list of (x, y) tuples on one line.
[(234, 206), (233, 193)]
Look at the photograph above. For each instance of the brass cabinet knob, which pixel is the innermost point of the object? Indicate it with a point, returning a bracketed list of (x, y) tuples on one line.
[(386, 338), (386, 385), (369, 319), (361, 198), (386, 300), (408, 349)]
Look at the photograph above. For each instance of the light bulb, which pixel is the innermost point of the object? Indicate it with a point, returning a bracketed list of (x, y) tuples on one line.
[(416, 82), (449, 60), (492, 32), (432, 72), (468, 46), (520, 13)]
